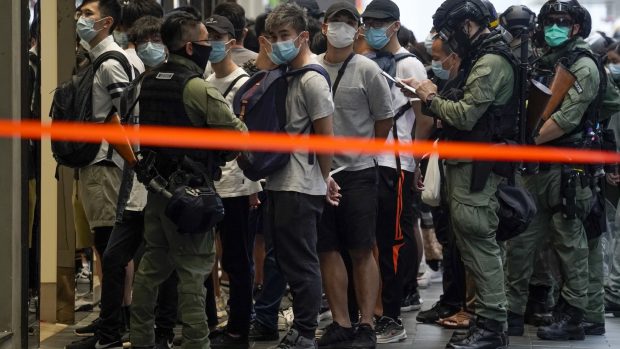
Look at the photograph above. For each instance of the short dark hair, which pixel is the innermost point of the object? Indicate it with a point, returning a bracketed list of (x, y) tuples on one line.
[(144, 28), (178, 28), (108, 8), (132, 10), (235, 14), (187, 9), (259, 23), (285, 14)]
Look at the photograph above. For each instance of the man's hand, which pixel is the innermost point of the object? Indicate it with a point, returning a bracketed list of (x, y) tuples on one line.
[(613, 179), (333, 192), (423, 88), (418, 180), (254, 201)]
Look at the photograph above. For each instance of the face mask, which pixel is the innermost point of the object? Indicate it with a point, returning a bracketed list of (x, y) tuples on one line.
[(152, 54), (556, 36), (284, 52), (614, 69), (121, 38), (428, 43), (340, 34), (377, 37), (200, 55), (85, 29), (218, 52), (439, 71)]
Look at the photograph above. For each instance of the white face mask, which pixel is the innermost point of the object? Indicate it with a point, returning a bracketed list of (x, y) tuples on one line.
[(340, 34)]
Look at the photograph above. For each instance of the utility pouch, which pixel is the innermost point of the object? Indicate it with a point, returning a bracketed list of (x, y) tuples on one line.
[(480, 172), (530, 168), (568, 191)]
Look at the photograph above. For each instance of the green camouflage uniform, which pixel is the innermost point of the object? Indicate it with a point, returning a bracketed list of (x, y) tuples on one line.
[(473, 215), (568, 237)]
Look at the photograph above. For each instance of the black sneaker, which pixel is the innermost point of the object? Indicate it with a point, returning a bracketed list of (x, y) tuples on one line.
[(224, 340), (336, 336), (94, 342), (411, 302), (164, 339), (293, 340), (436, 312), (389, 330), (613, 308), (593, 328), (261, 333), (88, 330), (365, 337)]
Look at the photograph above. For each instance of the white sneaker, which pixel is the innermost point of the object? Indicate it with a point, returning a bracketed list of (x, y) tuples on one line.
[(285, 319), (425, 279)]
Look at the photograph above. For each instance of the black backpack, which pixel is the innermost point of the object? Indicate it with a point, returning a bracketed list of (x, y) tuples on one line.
[(73, 103), (261, 104)]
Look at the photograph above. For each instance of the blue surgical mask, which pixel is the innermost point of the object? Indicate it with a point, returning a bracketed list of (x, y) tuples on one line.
[(377, 37), (218, 51), (152, 54), (121, 38), (439, 71), (556, 36), (85, 28), (614, 69), (284, 52)]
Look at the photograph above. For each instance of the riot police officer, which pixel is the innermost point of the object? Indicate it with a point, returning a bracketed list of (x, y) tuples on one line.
[(562, 194), (484, 113)]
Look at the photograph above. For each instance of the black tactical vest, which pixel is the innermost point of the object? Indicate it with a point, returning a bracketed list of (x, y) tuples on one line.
[(500, 122), (161, 104)]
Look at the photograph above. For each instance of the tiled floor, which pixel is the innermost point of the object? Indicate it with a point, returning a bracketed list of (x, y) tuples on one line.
[(425, 336)]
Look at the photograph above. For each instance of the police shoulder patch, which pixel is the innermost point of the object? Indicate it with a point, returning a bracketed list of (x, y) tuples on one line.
[(578, 87)]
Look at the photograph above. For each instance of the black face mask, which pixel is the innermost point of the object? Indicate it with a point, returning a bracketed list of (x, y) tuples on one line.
[(200, 54)]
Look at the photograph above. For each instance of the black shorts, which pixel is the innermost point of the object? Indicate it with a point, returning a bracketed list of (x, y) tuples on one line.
[(351, 225)]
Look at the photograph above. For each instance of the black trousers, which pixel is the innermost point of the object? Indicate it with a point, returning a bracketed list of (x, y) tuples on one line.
[(453, 268), (238, 262), (395, 240), (293, 219), (122, 246)]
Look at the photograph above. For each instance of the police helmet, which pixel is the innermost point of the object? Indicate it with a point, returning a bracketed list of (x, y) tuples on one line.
[(451, 14), (586, 26), (493, 18), (518, 18), (599, 43), (570, 7)]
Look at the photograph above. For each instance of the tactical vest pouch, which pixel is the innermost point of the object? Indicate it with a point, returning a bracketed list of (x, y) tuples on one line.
[(195, 210)]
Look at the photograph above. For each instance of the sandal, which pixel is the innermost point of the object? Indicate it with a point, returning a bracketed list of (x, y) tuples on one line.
[(459, 320)]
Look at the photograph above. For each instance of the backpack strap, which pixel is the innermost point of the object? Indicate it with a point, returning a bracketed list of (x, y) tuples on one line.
[(400, 56), (233, 83), (341, 73), (118, 56)]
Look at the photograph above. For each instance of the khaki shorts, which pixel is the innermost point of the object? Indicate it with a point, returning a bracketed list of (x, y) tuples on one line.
[(99, 186)]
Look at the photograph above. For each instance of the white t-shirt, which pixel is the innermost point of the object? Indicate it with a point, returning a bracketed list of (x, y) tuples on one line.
[(233, 183), (406, 68), (308, 99)]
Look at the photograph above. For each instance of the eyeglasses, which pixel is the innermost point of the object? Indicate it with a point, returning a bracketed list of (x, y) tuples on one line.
[(559, 21)]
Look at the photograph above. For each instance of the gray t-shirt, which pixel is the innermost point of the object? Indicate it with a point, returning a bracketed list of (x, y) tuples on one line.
[(362, 98), (308, 99), (241, 55)]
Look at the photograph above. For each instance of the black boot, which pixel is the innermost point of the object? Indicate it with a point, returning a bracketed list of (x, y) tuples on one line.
[(536, 312), (487, 334), (565, 326), (593, 328), (516, 325)]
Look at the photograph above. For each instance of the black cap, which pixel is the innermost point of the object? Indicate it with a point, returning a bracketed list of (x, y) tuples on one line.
[(220, 24), (382, 9), (311, 6), (342, 6)]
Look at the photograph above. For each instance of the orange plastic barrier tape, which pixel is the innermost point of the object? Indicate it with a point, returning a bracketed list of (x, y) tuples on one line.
[(219, 139)]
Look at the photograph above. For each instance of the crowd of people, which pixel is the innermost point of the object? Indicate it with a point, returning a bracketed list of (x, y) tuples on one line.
[(345, 234)]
